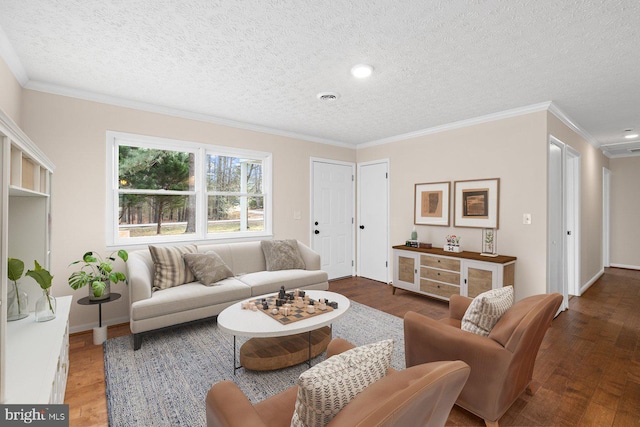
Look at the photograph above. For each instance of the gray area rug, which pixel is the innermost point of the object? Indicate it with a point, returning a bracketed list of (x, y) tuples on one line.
[(166, 381)]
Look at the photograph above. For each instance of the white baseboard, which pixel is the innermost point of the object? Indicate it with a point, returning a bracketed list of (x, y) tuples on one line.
[(587, 285), (629, 267), (90, 326)]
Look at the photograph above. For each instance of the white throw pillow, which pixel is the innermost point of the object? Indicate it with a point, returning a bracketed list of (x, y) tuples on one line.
[(329, 386), (486, 309)]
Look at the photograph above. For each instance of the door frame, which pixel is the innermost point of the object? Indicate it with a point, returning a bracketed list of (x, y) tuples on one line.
[(359, 205), (606, 217), (569, 204), (312, 161)]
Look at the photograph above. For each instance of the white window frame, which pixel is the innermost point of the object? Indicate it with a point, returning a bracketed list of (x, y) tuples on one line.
[(200, 150)]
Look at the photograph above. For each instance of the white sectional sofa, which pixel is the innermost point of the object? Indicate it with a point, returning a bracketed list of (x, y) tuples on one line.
[(154, 309)]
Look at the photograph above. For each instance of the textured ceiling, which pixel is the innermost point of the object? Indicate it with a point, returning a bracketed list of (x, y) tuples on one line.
[(262, 63)]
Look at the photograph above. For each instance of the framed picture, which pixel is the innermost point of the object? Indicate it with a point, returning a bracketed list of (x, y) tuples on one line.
[(431, 203), (476, 203)]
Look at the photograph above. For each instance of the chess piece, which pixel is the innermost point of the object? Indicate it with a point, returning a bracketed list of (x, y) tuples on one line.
[(274, 311), (245, 305), (311, 309), (279, 302), (333, 305), (281, 293), (300, 293), (322, 305), (299, 302), (265, 305)]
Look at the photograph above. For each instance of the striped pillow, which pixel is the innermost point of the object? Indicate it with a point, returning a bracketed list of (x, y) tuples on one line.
[(486, 309), (170, 267), (329, 386)]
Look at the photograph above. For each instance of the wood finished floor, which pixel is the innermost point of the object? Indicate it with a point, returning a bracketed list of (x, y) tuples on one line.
[(588, 364)]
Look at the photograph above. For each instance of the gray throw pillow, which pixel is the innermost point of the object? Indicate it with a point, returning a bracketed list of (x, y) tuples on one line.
[(208, 268), (170, 267), (282, 255)]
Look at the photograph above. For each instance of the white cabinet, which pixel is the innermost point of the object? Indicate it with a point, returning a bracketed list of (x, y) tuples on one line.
[(441, 274), (25, 221), (38, 358)]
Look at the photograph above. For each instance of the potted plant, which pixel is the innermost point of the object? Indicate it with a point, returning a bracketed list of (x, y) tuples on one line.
[(97, 272), (16, 299), (46, 304)]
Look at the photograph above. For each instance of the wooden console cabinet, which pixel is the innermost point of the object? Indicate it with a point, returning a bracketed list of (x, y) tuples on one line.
[(440, 274)]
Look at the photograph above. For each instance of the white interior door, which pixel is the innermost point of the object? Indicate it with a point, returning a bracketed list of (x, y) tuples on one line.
[(332, 216), (572, 205), (606, 222), (373, 220)]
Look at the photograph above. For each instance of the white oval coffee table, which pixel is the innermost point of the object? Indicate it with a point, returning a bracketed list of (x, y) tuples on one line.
[(271, 345)]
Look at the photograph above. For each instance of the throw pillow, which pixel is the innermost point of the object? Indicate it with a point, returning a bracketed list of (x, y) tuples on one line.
[(170, 267), (208, 267), (282, 255), (329, 386), (486, 309)]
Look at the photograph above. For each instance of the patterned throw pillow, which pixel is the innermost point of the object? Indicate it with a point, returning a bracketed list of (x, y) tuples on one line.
[(208, 267), (282, 255), (329, 386), (170, 267), (486, 309)]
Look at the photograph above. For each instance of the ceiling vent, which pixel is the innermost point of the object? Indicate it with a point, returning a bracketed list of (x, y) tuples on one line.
[(328, 96)]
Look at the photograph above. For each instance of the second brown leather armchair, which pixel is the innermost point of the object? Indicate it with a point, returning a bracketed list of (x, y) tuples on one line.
[(501, 364)]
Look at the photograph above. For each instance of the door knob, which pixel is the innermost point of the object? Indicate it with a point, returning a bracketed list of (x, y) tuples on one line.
[(362, 227), (317, 232), (316, 223)]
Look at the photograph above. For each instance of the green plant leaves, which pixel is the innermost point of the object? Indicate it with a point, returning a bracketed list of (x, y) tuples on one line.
[(15, 268), (41, 275)]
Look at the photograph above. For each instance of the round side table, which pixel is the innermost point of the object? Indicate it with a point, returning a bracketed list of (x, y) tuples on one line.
[(99, 333)]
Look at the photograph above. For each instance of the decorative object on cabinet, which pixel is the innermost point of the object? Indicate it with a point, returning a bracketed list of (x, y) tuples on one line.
[(17, 299), (46, 304), (100, 274), (489, 242), (440, 274), (431, 203), (453, 244), (476, 203)]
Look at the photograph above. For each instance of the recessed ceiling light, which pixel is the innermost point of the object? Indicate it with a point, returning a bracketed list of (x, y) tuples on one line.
[(361, 71), (328, 96), (630, 134)]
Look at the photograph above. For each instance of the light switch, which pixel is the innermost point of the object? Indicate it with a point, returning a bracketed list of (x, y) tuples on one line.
[(526, 219), (297, 215)]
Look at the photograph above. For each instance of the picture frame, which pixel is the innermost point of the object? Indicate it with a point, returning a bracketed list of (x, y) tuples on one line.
[(431, 203), (489, 242), (477, 203)]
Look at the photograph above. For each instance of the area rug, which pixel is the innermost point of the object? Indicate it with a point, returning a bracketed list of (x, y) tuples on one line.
[(166, 381)]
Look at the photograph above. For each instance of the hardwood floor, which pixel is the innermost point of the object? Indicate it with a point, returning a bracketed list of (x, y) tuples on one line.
[(588, 364)]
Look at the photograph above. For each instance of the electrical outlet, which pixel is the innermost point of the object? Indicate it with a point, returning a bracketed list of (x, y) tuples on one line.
[(526, 219)]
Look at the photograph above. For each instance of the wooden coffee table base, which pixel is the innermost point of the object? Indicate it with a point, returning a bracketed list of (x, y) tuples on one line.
[(266, 354)]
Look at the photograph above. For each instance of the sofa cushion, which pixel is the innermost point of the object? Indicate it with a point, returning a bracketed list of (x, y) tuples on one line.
[(486, 309), (208, 268), (282, 255), (265, 282), (170, 268), (329, 386), (188, 297)]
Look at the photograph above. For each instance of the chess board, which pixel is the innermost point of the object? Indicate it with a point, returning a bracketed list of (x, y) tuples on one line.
[(295, 313)]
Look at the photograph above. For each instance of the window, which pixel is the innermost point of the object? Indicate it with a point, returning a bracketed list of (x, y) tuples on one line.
[(164, 190)]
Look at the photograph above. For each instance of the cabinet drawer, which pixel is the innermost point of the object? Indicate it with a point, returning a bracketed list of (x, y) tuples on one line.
[(441, 275), (439, 288), (440, 262)]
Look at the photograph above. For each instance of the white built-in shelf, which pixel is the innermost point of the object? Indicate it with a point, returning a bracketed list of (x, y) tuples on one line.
[(24, 192)]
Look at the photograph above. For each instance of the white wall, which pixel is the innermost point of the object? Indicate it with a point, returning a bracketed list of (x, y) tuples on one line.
[(514, 150), (72, 134), (10, 93), (625, 206)]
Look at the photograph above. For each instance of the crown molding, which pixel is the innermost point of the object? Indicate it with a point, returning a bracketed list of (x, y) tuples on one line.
[(461, 124), (564, 118), (10, 129), (11, 58), (159, 109)]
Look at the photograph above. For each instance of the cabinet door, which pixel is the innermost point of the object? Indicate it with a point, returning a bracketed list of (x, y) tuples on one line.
[(406, 269), (480, 277)]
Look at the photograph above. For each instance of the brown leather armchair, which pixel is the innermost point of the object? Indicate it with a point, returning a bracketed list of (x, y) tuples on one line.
[(422, 395), (501, 364)]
